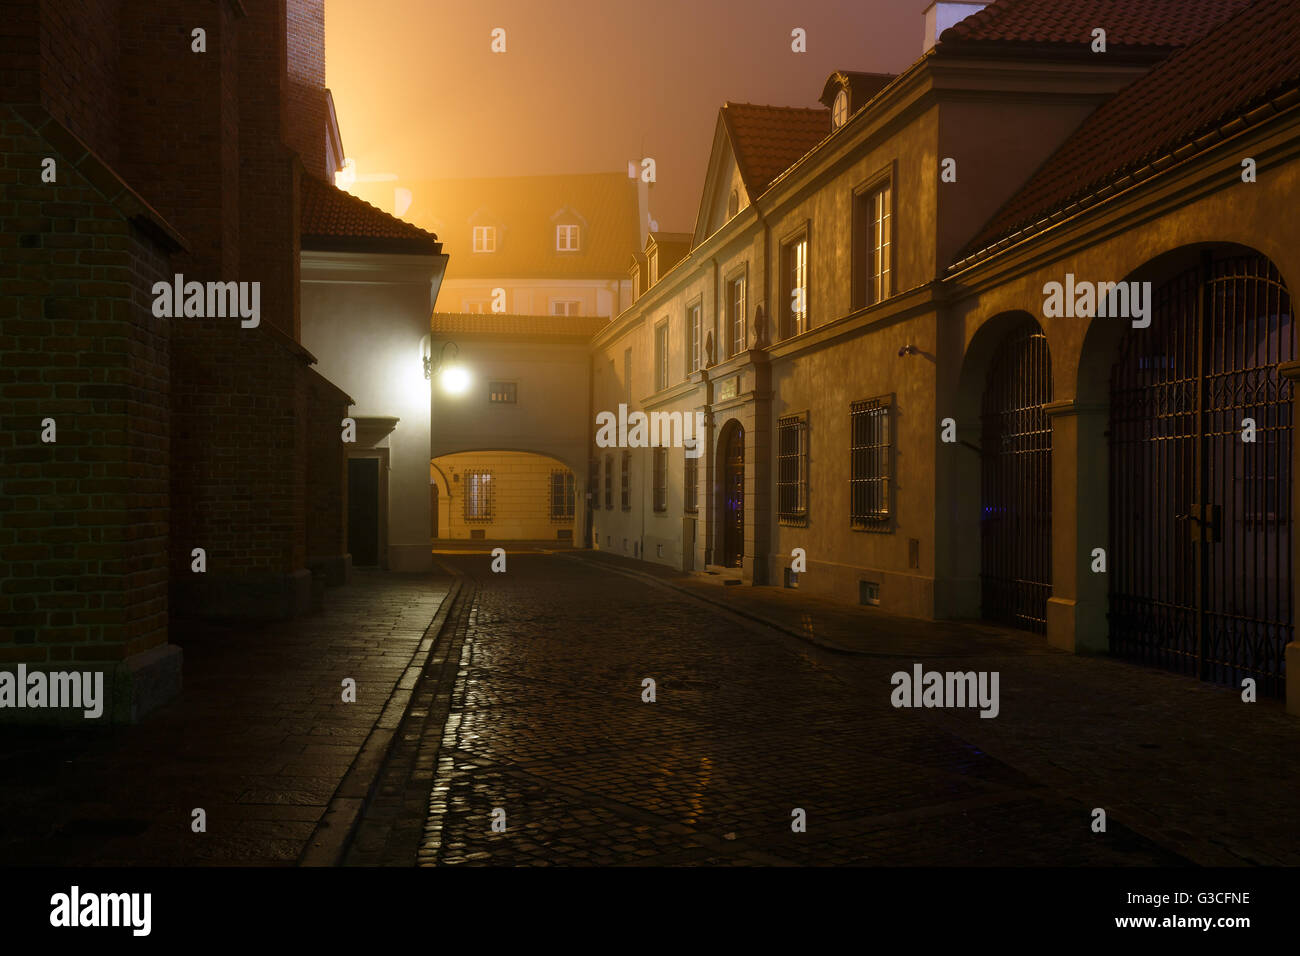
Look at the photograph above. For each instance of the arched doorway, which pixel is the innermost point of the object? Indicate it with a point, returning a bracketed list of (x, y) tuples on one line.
[(1200, 514), (732, 470), (1016, 482)]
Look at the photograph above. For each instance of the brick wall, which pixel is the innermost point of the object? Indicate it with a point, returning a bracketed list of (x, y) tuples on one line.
[(307, 115), (83, 521), (79, 79)]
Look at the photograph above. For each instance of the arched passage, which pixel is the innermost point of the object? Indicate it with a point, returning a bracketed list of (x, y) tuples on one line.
[(507, 495), (1200, 517), (1016, 481)]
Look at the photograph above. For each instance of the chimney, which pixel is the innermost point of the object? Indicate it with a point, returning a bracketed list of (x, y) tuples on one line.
[(942, 14)]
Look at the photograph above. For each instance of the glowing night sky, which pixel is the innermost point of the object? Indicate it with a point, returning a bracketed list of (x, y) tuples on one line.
[(584, 85)]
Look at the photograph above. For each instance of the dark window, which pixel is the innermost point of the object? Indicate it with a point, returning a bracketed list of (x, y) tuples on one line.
[(661, 356), (794, 286), (869, 464), (693, 338), (478, 496), (736, 316), (873, 228), (690, 485), (661, 479), (502, 393), (792, 469), (609, 482), (625, 481), (562, 504)]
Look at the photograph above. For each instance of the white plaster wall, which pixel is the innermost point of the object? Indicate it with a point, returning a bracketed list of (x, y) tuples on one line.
[(364, 317)]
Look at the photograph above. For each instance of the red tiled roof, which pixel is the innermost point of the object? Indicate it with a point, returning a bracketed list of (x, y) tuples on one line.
[(1128, 23), (501, 324), (770, 139), (1250, 59), (329, 213)]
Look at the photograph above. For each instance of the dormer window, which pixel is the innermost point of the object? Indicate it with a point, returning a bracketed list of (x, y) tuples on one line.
[(840, 111), (733, 204), (485, 238), (566, 238)]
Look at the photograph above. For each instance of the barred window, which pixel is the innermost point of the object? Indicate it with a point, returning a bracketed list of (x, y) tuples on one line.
[(609, 482), (661, 478), (625, 479), (562, 504), (478, 496), (870, 462), (792, 469), (691, 485)]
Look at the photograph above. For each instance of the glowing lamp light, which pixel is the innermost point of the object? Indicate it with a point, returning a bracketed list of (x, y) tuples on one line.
[(455, 380)]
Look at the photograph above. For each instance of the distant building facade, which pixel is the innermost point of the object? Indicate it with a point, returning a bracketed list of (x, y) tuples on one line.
[(900, 408)]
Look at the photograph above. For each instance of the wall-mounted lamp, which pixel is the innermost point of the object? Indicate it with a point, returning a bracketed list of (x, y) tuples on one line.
[(908, 350), (454, 379)]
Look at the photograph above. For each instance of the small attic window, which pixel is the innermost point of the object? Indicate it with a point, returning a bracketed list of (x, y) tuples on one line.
[(485, 239), (566, 238), (733, 204), (840, 111)]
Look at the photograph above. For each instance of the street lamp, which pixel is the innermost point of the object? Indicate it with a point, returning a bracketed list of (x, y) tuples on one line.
[(454, 379)]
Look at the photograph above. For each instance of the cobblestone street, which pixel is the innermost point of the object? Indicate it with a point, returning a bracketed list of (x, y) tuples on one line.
[(539, 675)]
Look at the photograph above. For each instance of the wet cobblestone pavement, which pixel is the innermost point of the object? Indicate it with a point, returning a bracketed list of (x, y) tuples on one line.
[(542, 686)]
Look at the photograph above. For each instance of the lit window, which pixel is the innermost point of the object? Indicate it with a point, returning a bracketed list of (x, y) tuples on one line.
[(873, 225), (840, 111), (485, 239), (566, 238), (794, 286), (736, 316), (502, 393), (478, 496)]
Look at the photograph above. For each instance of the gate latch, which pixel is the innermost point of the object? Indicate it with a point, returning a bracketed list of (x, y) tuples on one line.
[(1207, 520)]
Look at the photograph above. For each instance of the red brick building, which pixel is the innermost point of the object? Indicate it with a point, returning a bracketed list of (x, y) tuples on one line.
[(141, 141)]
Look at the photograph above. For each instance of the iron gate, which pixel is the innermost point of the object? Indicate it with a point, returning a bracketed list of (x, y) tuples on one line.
[(1200, 518), (1016, 483)]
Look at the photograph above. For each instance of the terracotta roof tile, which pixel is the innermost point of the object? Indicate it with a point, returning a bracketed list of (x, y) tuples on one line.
[(770, 139), (1128, 23), (329, 213), (501, 324), (1248, 60)]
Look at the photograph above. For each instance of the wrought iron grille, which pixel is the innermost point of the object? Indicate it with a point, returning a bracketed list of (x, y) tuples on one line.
[(792, 469), (1016, 483), (1200, 516), (870, 464)]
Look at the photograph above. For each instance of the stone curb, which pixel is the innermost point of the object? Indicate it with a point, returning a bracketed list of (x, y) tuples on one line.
[(329, 842)]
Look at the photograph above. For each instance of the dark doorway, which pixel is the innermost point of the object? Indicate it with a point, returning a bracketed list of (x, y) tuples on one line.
[(733, 498), (1016, 483), (1200, 514), (363, 511)]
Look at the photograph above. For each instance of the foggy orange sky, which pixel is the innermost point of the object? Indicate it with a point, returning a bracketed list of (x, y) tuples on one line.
[(585, 85)]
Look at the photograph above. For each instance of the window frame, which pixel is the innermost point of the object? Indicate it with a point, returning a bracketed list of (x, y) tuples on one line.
[(576, 233), (485, 507), (625, 481), (840, 109), (659, 458), (798, 486), (881, 520), (609, 482), (489, 236), (871, 286), (694, 326), (739, 277), (691, 484), (662, 342), (566, 302), (790, 322), (567, 495), (512, 388)]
